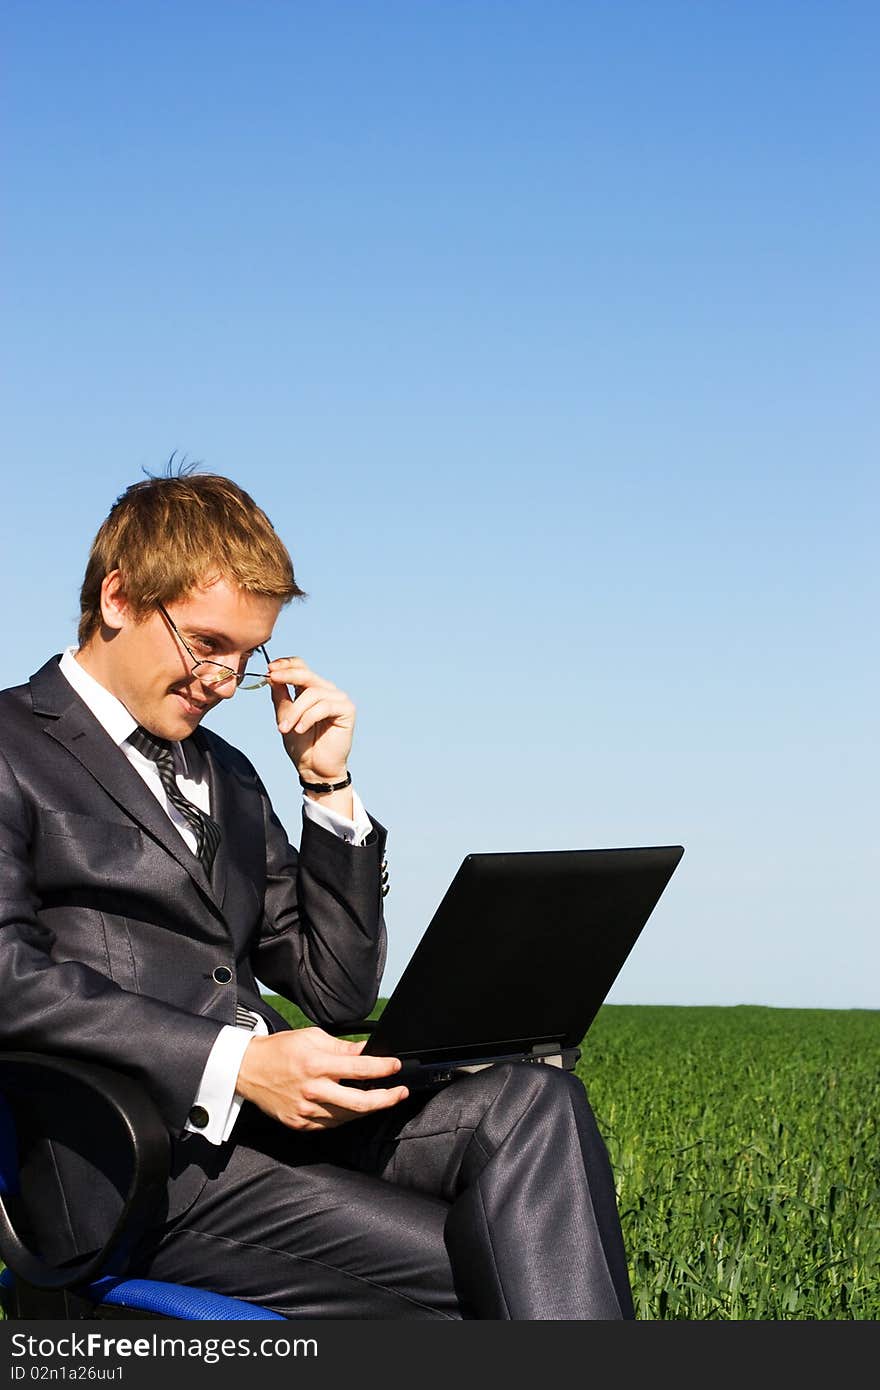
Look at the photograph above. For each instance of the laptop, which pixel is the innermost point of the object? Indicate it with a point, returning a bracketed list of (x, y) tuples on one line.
[(517, 960)]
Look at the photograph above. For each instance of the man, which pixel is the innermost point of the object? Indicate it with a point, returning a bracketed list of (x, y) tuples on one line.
[(146, 886)]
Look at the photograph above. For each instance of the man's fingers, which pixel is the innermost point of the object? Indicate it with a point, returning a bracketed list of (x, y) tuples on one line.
[(292, 670), (279, 694), (318, 707), (283, 702), (335, 1057), (312, 703), (358, 1067), (289, 671), (345, 1102)]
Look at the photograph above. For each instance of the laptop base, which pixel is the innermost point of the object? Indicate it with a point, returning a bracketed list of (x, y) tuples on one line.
[(418, 1075)]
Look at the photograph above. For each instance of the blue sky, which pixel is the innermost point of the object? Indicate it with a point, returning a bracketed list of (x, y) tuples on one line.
[(546, 334)]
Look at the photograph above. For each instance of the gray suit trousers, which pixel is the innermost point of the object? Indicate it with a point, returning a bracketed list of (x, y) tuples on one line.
[(491, 1197)]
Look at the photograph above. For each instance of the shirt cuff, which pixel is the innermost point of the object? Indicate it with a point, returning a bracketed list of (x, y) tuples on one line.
[(216, 1096), (354, 831)]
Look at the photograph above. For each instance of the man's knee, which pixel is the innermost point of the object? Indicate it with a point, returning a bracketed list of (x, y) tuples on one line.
[(518, 1090), (537, 1080)]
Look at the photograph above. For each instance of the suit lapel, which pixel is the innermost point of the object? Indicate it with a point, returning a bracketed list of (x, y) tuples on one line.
[(73, 726)]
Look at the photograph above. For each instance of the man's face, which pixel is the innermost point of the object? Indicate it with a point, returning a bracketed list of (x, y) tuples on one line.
[(147, 667)]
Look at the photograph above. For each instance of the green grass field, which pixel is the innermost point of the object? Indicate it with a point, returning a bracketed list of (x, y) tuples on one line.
[(745, 1146)]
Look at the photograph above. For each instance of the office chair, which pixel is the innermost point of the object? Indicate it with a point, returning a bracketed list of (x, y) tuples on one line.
[(38, 1096)]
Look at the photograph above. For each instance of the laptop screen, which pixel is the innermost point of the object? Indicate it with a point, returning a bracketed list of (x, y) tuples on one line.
[(522, 950)]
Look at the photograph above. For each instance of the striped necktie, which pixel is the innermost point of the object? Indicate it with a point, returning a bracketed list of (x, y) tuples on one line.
[(206, 830)]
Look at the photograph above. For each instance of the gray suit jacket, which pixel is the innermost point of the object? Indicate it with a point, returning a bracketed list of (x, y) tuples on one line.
[(111, 933)]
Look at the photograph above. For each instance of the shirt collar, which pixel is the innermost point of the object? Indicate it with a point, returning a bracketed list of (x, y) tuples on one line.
[(107, 709)]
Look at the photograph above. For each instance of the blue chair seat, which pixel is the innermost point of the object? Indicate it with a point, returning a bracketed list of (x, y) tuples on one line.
[(154, 1297)]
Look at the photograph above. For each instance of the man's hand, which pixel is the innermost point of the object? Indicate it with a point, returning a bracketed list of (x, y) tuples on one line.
[(295, 1077), (317, 725)]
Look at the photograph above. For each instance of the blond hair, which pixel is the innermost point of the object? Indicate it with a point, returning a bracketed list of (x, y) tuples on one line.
[(169, 535)]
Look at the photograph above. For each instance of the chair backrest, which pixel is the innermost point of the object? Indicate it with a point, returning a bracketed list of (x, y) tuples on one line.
[(38, 1096)]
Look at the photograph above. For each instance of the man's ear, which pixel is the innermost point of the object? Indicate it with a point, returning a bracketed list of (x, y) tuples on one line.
[(114, 606)]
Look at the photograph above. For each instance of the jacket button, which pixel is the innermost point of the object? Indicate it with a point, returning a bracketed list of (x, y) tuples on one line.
[(199, 1117), (222, 975)]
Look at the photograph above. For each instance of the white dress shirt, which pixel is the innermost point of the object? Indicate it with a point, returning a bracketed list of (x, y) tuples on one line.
[(216, 1091)]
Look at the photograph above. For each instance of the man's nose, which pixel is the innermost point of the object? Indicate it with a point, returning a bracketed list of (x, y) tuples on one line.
[(224, 689)]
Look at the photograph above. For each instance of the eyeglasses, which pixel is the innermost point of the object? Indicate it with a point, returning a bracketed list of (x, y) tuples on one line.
[(213, 673)]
